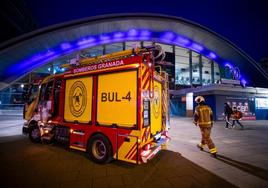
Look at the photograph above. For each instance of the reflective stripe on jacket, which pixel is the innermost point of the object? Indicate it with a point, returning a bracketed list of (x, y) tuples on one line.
[(203, 115)]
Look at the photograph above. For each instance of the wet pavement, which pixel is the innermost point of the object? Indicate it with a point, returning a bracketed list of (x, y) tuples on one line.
[(242, 161)]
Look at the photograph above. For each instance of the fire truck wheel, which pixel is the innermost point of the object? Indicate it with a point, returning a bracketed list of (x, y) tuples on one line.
[(34, 134), (100, 149)]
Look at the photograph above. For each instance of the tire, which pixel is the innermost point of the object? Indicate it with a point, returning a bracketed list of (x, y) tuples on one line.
[(34, 134), (100, 149)]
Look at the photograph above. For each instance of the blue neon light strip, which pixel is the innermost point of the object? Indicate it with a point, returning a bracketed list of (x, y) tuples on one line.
[(68, 47)]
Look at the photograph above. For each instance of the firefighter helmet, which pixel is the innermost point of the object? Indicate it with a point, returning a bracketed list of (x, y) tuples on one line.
[(199, 99)]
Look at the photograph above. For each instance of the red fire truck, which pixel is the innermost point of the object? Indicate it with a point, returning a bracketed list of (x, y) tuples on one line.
[(113, 106)]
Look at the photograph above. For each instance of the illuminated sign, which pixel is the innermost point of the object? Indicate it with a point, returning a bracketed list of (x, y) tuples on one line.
[(99, 66), (261, 103), (230, 81), (243, 104), (235, 72)]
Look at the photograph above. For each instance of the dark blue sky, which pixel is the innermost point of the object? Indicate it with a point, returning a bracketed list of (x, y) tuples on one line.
[(245, 23)]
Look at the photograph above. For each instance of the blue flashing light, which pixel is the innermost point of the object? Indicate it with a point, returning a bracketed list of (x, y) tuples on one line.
[(197, 47), (84, 46), (65, 46), (49, 53), (105, 38), (37, 57), (85, 41), (243, 81), (132, 33), (181, 41), (117, 35), (145, 33), (167, 36), (212, 55)]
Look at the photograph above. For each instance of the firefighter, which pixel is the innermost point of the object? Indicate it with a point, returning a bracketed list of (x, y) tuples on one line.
[(203, 117)]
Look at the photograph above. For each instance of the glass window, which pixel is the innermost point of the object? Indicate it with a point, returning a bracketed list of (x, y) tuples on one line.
[(216, 73), (116, 47), (182, 73), (166, 48), (33, 92), (147, 43), (206, 71), (42, 95), (96, 51), (133, 44), (57, 97), (195, 68), (48, 91)]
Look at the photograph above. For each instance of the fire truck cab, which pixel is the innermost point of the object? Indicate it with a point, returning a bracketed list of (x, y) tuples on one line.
[(114, 106)]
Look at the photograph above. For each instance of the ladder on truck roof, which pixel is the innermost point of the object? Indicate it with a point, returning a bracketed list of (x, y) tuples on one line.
[(124, 54), (107, 57)]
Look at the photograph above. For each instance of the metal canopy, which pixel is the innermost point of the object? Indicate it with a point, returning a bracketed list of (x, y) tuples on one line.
[(24, 54)]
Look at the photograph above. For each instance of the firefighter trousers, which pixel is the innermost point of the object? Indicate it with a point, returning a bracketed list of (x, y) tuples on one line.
[(206, 140)]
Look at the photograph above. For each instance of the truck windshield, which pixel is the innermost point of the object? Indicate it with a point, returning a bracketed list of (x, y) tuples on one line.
[(32, 94)]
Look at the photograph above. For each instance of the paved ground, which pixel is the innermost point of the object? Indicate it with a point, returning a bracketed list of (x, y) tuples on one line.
[(242, 161), (243, 154), (10, 125)]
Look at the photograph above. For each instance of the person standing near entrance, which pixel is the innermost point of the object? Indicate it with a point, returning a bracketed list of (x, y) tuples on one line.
[(227, 113), (203, 117), (237, 115)]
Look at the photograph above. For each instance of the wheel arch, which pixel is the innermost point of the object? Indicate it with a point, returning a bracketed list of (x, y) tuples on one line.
[(99, 133)]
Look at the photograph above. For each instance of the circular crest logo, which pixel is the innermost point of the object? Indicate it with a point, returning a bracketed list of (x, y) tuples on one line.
[(78, 98), (156, 102)]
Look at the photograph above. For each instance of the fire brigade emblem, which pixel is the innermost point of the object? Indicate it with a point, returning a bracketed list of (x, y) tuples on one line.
[(78, 99), (156, 102)]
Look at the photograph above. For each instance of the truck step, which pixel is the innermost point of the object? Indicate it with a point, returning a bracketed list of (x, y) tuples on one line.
[(47, 137)]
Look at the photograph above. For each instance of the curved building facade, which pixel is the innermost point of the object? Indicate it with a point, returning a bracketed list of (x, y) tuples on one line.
[(200, 57)]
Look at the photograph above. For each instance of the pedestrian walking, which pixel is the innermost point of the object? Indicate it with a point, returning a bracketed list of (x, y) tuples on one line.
[(203, 117), (227, 113), (237, 115)]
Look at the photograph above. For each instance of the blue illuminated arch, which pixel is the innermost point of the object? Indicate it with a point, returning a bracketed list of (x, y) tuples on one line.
[(64, 48), (17, 61)]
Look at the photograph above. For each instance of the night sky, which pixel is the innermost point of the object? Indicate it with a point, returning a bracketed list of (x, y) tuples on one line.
[(245, 23)]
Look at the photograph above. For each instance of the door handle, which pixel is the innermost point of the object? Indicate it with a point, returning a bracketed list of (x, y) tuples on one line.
[(126, 139)]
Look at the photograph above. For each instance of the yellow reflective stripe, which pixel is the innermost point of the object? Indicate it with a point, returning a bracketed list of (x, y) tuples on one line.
[(81, 149), (201, 145), (205, 123), (204, 113), (213, 150)]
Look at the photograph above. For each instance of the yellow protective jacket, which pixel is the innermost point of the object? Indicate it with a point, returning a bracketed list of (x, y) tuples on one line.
[(203, 115)]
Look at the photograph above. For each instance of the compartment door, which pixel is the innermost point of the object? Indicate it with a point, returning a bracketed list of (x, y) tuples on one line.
[(156, 109), (117, 99), (78, 100), (128, 149)]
